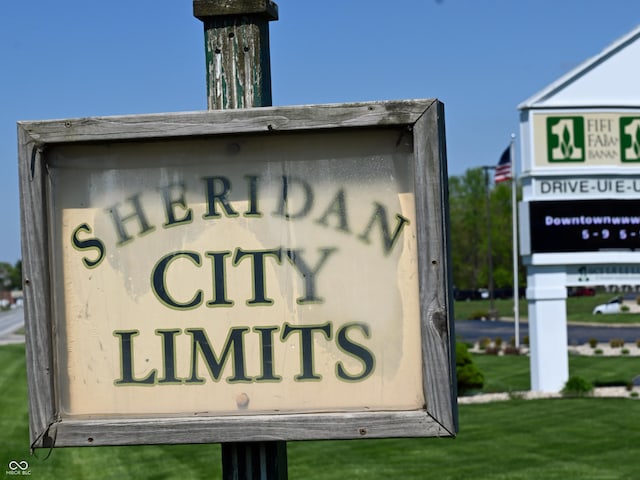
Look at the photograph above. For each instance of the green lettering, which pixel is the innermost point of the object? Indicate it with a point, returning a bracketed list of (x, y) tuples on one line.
[(258, 266), (119, 220), (159, 283), (221, 197), (170, 203), (215, 364), (88, 244), (309, 275), (337, 208), (169, 355), (219, 280), (380, 216), (253, 196), (126, 361), (307, 204), (306, 347), (355, 350), (266, 351)]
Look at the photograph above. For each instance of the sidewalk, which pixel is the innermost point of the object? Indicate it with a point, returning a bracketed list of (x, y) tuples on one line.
[(11, 339), (603, 392)]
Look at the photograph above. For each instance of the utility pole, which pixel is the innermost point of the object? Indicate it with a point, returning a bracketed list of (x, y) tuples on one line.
[(239, 76)]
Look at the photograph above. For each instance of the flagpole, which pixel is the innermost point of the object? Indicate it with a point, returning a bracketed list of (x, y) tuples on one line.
[(514, 239)]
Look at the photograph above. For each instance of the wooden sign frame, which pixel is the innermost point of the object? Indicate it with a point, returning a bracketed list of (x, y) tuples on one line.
[(423, 120)]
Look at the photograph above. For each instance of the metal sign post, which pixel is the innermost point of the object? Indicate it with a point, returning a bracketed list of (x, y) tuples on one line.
[(239, 76)]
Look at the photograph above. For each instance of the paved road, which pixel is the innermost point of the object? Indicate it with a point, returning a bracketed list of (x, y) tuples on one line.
[(465, 330), (11, 320), (472, 330)]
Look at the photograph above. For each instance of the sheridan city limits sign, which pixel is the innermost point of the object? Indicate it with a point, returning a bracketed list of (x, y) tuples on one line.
[(260, 274)]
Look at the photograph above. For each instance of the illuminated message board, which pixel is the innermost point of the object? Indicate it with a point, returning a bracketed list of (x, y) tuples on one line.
[(584, 225), (276, 273)]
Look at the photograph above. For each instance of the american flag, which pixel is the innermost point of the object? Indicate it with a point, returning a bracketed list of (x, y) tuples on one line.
[(503, 169)]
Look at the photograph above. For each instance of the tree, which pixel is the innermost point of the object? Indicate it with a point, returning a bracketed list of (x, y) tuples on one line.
[(15, 275), (10, 276), (468, 230), (467, 217)]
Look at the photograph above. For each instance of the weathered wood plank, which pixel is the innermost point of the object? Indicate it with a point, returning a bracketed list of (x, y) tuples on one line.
[(37, 288), (265, 119), (71, 432), (215, 8), (238, 64), (434, 270)]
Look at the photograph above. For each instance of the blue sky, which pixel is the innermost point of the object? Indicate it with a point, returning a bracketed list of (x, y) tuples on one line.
[(77, 58)]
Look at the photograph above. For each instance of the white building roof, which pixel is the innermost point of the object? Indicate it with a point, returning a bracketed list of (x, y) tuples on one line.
[(609, 79)]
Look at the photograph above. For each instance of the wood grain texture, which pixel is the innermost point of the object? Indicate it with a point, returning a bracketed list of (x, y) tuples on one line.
[(237, 52), (238, 63), (252, 120), (37, 288), (215, 8), (434, 266), (257, 428)]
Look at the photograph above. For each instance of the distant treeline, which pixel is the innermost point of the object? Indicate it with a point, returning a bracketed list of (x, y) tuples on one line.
[(469, 221)]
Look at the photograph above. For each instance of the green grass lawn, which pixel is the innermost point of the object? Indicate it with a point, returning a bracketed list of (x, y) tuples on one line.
[(579, 309), (511, 372), (542, 439)]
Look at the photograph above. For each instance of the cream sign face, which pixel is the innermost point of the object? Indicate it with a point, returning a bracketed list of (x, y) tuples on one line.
[(237, 275)]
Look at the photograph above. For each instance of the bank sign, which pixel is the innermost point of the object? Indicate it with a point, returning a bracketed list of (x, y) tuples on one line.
[(573, 139), (224, 276)]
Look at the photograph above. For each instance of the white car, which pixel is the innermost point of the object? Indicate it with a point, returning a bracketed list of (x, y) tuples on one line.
[(612, 306)]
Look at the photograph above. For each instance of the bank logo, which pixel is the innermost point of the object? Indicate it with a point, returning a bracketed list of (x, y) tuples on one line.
[(630, 139), (18, 468), (565, 139)]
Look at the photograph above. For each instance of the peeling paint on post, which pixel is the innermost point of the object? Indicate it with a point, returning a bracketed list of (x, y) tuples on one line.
[(238, 63), (237, 51)]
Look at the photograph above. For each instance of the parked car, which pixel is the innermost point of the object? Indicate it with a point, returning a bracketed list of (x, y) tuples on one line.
[(465, 294), (612, 306), (483, 293), (581, 291)]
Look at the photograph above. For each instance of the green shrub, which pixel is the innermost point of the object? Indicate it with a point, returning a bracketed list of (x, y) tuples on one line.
[(593, 342), (598, 351), (624, 308), (616, 343), (625, 351), (469, 376), (497, 342), (525, 340), (577, 387), (511, 350), (479, 314), (484, 342)]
